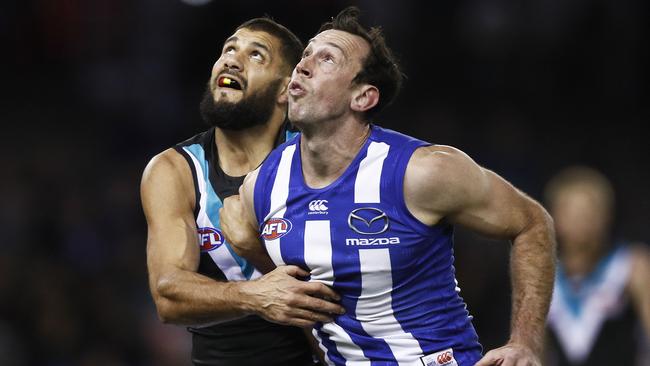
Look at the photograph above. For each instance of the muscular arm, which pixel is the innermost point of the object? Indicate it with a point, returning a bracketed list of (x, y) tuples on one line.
[(443, 183), (182, 295)]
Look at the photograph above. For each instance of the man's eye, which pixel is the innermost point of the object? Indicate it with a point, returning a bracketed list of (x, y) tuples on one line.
[(257, 56), (229, 50)]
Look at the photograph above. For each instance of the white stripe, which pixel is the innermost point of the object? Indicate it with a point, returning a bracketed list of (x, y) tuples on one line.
[(202, 219), (221, 256), (366, 186), (279, 195), (318, 251), (318, 257), (347, 349), (256, 274), (374, 306), (230, 268)]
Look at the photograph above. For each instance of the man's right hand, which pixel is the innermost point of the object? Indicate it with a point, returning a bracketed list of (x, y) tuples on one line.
[(280, 297)]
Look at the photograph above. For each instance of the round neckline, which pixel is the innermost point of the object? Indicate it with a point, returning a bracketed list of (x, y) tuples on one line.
[(347, 171)]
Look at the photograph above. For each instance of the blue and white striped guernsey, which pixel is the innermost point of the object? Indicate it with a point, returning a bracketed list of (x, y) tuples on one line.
[(395, 275)]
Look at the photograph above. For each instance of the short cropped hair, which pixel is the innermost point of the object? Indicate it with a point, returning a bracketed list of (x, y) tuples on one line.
[(291, 46), (380, 67)]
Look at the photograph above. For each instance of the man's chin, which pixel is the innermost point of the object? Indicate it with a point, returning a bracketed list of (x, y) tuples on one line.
[(227, 96)]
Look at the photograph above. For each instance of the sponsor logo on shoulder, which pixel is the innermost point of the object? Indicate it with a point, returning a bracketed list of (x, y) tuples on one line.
[(371, 241), (275, 228), (209, 238), (442, 358), (318, 207)]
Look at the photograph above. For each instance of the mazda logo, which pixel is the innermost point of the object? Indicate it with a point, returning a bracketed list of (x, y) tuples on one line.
[(361, 220)]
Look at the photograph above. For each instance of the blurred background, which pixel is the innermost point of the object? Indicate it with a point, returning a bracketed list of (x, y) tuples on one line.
[(91, 90)]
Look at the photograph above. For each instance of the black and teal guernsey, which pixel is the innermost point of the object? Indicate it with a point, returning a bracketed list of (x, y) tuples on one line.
[(250, 340), (591, 321)]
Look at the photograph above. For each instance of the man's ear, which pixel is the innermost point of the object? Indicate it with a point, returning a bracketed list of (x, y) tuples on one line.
[(283, 94), (364, 98)]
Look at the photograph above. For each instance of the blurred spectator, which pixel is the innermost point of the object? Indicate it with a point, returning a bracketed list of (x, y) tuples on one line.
[(600, 313)]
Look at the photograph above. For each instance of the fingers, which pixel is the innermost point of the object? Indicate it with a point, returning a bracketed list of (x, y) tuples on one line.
[(321, 290), (490, 359), (294, 271), (295, 315), (320, 305), (312, 316), (508, 356)]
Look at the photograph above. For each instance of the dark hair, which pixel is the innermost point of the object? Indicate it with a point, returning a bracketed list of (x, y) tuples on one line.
[(291, 45), (380, 68)]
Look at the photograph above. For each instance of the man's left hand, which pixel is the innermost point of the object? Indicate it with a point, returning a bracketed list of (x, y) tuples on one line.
[(512, 354)]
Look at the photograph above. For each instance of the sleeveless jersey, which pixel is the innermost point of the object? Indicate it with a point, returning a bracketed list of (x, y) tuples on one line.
[(249, 340), (591, 321), (395, 275)]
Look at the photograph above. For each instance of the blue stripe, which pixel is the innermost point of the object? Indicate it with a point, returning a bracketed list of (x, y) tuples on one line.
[(290, 135), (332, 353), (213, 204)]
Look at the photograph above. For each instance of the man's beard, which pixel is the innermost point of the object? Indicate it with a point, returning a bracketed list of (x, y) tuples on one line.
[(253, 110)]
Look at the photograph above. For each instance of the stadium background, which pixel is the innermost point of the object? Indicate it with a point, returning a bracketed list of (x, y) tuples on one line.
[(92, 89)]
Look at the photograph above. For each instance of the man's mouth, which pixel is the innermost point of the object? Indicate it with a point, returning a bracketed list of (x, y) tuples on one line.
[(228, 82), (295, 89)]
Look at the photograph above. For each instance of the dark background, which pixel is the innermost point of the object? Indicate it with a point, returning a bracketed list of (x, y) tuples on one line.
[(91, 90)]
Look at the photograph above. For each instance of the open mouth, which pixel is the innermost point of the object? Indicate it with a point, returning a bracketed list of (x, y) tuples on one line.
[(227, 82), (296, 89)]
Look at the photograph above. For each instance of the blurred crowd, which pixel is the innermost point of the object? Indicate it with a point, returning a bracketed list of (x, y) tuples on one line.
[(92, 90)]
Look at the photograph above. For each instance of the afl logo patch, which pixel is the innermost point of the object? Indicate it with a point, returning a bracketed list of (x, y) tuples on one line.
[(210, 238), (275, 228)]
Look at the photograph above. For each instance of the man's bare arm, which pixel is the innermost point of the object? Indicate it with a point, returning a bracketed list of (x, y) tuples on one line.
[(183, 296), (443, 183), (240, 227)]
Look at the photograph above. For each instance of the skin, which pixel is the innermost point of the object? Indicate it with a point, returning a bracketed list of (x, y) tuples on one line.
[(441, 182), (583, 218), (183, 296)]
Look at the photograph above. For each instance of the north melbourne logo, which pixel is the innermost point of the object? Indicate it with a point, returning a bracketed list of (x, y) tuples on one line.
[(318, 207)]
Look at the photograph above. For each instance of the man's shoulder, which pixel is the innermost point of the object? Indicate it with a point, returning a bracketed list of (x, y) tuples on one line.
[(200, 138), (440, 161), (166, 163), (395, 138)]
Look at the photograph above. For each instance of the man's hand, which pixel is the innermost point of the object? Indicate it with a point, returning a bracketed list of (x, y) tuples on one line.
[(512, 354), (282, 298), (242, 235)]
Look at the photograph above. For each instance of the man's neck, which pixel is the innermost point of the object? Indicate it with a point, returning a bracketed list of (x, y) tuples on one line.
[(240, 152), (581, 261), (327, 150)]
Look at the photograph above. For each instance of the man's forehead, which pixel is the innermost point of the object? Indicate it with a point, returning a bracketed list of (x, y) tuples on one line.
[(347, 42), (246, 35)]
